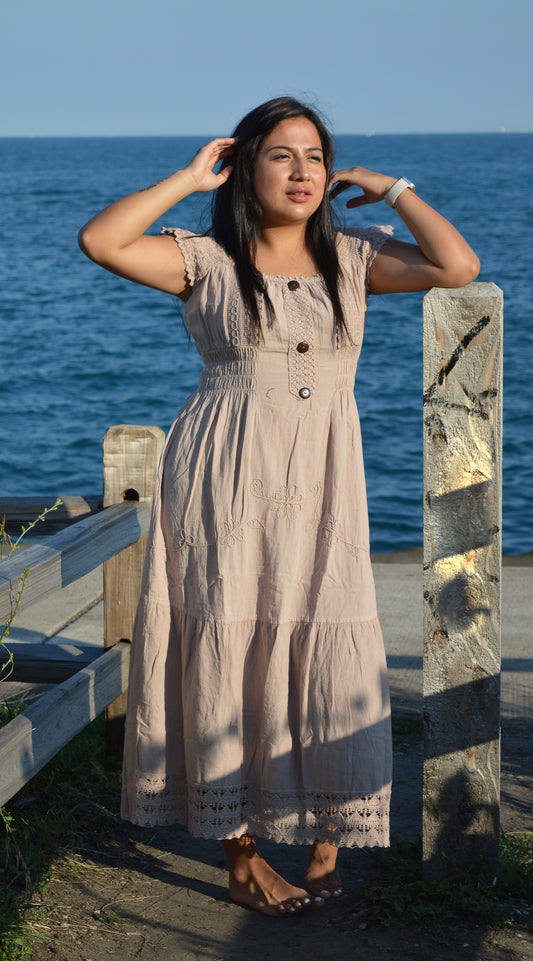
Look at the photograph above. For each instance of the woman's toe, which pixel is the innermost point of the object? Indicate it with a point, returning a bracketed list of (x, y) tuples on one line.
[(325, 888), (295, 905), (318, 890)]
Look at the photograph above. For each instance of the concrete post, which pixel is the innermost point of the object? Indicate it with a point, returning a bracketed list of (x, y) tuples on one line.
[(462, 565)]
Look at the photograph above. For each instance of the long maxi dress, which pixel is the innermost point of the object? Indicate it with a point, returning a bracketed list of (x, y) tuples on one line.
[(258, 696)]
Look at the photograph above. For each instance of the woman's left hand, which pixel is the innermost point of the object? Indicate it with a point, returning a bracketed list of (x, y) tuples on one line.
[(374, 185), (440, 257)]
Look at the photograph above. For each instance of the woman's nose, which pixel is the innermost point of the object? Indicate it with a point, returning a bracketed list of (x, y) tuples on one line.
[(301, 171)]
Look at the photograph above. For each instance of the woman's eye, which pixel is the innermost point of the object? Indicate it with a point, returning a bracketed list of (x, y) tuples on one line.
[(281, 156)]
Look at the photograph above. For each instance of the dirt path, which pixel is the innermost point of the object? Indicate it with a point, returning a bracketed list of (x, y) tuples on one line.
[(159, 895)]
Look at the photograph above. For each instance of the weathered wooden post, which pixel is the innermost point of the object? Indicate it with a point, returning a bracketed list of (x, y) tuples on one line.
[(131, 457), (462, 564)]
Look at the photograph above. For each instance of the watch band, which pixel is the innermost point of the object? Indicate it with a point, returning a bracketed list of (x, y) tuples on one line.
[(394, 192)]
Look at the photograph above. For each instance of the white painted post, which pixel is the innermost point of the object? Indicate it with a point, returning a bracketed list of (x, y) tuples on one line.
[(462, 566)]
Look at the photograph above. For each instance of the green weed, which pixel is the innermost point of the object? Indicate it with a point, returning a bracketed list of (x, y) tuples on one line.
[(64, 806), (405, 726), (403, 895), (7, 548)]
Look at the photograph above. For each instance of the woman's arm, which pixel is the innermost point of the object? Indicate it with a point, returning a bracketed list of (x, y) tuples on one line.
[(116, 239), (441, 256)]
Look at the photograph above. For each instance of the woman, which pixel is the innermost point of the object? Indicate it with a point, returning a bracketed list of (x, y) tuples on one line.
[(258, 699)]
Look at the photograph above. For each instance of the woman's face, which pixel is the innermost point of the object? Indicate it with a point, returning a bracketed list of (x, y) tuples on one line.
[(290, 175)]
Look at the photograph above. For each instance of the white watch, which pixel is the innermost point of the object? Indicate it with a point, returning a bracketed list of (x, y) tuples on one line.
[(394, 192)]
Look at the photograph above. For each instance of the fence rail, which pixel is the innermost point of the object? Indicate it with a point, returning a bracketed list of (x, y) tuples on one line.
[(31, 739), (116, 538), (71, 553), (21, 511)]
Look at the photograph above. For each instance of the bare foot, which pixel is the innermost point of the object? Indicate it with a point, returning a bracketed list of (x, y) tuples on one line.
[(322, 877), (253, 882)]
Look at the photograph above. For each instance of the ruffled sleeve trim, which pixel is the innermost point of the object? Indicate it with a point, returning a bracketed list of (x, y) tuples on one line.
[(200, 252), (361, 244)]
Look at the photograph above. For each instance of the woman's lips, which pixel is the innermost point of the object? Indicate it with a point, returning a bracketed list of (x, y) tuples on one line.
[(299, 196)]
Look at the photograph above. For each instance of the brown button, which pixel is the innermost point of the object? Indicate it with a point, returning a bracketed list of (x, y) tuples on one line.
[(293, 285), (302, 347)]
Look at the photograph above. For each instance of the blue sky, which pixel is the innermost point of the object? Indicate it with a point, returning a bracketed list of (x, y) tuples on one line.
[(127, 67)]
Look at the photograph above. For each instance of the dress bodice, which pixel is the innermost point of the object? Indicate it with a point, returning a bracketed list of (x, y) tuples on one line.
[(216, 317)]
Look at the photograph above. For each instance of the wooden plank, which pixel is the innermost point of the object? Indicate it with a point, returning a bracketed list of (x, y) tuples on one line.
[(47, 663), (71, 553), (20, 511), (462, 576), (31, 739), (131, 459)]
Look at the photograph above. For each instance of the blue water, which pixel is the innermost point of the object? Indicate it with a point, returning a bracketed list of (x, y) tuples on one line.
[(81, 349)]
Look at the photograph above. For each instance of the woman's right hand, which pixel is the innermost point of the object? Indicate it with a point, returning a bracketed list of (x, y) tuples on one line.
[(201, 166), (117, 240)]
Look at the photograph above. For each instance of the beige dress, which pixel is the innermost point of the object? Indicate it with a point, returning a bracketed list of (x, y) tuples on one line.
[(258, 695)]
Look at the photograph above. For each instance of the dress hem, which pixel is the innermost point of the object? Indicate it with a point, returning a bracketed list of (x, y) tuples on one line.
[(284, 817)]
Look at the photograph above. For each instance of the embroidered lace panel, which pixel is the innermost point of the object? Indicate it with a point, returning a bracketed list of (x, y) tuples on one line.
[(299, 321), (289, 818)]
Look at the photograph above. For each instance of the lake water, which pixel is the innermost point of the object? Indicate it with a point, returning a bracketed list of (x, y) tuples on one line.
[(82, 349)]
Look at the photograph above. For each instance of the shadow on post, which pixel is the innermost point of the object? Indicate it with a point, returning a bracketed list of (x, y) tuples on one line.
[(462, 571)]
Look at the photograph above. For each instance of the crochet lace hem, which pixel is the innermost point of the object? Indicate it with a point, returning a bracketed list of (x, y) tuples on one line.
[(285, 817)]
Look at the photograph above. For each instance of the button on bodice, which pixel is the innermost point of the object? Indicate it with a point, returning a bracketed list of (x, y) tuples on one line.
[(293, 285), (302, 347)]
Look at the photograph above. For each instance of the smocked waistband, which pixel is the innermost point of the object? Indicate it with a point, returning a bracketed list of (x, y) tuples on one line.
[(278, 375)]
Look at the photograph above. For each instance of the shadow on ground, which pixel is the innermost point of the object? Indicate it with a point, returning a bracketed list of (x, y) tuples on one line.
[(158, 893)]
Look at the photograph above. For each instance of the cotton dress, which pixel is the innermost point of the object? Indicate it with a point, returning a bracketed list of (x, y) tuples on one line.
[(258, 697)]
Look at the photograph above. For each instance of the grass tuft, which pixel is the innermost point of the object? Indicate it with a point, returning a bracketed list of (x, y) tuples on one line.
[(401, 895), (66, 805)]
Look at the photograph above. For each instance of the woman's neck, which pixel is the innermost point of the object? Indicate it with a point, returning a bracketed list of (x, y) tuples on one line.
[(283, 250)]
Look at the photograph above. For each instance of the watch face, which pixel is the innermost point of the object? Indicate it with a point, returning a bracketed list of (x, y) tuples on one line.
[(409, 183)]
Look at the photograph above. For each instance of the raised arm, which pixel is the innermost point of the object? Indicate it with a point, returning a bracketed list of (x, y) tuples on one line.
[(441, 257), (116, 237)]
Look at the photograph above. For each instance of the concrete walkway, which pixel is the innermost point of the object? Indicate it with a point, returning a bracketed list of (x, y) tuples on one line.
[(75, 615)]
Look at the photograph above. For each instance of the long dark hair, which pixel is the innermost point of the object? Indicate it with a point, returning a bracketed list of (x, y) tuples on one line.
[(237, 215)]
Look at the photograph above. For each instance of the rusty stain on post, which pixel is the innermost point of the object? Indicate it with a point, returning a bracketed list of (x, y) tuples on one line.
[(462, 566)]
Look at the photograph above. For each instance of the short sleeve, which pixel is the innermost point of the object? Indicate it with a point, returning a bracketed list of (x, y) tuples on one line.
[(358, 247), (200, 252)]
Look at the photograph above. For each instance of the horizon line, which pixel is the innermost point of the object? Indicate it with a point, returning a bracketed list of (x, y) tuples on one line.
[(362, 133)]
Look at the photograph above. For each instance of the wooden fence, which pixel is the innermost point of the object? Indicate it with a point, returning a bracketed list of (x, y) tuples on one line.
[(114, 537), (461, 584)]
